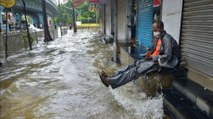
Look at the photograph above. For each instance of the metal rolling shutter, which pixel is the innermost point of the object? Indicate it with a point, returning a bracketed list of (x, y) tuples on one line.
[(121, 17), (144, 22), (197, 35)]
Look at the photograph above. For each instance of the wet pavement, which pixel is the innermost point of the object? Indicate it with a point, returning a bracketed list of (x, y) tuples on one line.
[(59, 80)]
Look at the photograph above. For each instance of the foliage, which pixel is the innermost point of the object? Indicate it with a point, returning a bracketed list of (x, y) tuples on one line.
[(83, 14), (55, 20), (86, 15), (25, 37)]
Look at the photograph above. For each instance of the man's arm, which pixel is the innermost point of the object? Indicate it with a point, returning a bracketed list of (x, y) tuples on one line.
[(151, 49), (167, 41), (167, 48)]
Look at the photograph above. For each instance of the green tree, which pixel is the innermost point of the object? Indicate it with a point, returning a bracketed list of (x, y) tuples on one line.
[(66, 14), (55, 20)]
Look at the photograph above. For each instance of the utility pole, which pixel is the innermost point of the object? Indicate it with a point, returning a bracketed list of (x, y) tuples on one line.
[(74, 16), (6, 4), (59, 16), (47, 36), (74, 20), (1, 23), (6, 45), (26, 22)]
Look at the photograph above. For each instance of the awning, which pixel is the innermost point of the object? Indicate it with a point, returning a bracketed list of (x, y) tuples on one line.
[(76, 3), (94, 1)]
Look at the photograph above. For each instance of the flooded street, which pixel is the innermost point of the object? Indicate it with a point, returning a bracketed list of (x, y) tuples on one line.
[(59, 80)]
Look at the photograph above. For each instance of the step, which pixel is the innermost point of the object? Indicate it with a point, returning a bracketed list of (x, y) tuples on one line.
[(180, 107), (200, 96)]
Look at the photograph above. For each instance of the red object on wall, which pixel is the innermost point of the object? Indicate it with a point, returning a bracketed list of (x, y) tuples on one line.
[(76, 3), (156, 3), (94, 1)]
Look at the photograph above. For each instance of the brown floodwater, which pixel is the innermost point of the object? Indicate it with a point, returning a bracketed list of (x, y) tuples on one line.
[(59, 80)]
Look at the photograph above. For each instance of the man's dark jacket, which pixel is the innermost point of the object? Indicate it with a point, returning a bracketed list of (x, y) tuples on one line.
[(169, 48)]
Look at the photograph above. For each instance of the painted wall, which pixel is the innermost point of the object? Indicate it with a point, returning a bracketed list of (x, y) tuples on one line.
[(122, 21), (171, 16), (108, 17), (102, 18)]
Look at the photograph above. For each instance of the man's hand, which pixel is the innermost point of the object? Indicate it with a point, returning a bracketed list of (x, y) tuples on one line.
[(148, 56)]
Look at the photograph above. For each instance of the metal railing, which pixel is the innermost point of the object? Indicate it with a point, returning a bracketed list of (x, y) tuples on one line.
[(18, 42)]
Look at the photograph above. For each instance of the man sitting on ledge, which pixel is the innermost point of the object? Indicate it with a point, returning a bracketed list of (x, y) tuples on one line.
[(164, 53)]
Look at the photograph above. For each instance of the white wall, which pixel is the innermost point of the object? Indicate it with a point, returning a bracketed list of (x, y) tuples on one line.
[(121, 20), (101, 15), (171, 16), (108, 17)]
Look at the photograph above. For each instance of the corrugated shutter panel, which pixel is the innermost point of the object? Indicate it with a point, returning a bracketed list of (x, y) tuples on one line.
[(144, 22), (197, 35), (121, 21), (108, 19)]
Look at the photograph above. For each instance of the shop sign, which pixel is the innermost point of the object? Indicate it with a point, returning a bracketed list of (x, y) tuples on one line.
[(76, 3), (94, 1), (7, 3), (156, 3)]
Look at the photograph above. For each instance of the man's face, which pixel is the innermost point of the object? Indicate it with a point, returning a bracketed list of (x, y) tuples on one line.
[(156, 30)]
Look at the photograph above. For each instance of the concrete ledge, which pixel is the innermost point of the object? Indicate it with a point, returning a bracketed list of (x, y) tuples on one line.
[(148, 84), (125, 58), (181, 107), (165, 80), (200, 78), (172, 108), (199, 96), (152, 82), (184, 91), (203, 105)]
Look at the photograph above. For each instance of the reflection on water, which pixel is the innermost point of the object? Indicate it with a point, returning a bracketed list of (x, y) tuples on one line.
[(59, 80)]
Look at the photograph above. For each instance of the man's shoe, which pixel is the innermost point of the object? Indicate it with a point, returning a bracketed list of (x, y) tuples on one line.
[(103, 74), (104, 80)]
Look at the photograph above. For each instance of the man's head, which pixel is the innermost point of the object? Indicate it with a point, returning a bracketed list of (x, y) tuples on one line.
[(157, 28)]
